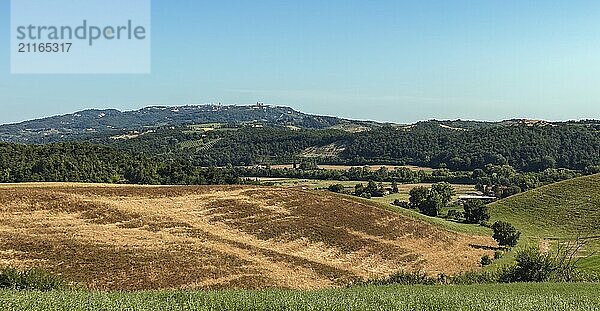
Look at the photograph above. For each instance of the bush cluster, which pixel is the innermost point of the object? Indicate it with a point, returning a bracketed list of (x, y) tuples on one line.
[(33, 279), (530, 266)]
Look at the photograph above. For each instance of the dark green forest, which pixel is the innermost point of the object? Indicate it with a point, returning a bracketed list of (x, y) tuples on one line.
[(526, 148), (85, 162)]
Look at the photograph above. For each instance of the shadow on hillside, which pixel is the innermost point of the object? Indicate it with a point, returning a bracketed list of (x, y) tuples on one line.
[(487, 247)]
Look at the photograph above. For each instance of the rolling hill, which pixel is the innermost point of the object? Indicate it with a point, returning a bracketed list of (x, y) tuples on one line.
[(557, 210), (561, 211), (135, 237), (94, 121)]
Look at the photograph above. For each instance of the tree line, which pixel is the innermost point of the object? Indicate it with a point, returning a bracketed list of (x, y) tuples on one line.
[(86, 162)]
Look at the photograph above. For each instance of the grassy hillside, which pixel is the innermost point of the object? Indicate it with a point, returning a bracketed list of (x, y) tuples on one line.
[(132, 237), (557, 212), (505, 297)]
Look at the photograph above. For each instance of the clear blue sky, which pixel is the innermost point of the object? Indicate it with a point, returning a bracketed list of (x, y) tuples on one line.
[(386, 60)]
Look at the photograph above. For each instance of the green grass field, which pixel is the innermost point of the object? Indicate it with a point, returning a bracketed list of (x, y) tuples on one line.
[(559, 211), (522, 297)]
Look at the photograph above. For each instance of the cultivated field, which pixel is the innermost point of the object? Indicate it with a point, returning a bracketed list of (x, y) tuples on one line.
[(133, 238)]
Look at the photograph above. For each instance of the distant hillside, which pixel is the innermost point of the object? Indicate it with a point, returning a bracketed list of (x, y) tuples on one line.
[(215, 135), (525, 145), (93, 122), (59, 128), (432, 144)]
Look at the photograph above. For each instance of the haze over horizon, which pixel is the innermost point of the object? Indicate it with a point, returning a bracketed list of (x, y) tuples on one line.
[(306, 112), (397, 61), (310, 113)]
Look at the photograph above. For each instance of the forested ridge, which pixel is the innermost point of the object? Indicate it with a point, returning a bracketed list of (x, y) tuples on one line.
[(216, 135), (526, 148), (182, 153), (244, 146), (86, 162)]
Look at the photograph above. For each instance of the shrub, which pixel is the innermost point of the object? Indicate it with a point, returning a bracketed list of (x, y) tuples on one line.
[(486, 260), (505, 234), (410, 278), (402, 204), (498, 255), (338, 188), (404, 278), (359, 189), (531, 266), (455, 214), (33, 279), (474, 277)]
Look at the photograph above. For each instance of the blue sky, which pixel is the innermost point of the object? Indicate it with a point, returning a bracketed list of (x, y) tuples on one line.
[(390, 60)]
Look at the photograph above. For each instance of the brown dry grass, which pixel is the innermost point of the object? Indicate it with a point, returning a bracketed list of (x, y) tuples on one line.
[(132, 238)]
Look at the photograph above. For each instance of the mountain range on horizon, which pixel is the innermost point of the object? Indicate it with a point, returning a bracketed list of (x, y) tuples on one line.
[(56, 128)]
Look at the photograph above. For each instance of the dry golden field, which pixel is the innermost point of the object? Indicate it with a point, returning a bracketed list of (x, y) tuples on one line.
[(208, 237)]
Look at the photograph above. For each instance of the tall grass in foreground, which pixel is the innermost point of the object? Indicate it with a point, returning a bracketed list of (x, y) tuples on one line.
[(522, 297)]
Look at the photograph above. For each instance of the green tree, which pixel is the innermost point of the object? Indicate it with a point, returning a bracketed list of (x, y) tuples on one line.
[(359, 189), (418, 195), (338, 188), (371, 187), (395, 187), (505, 234), (432, 205), (445, 191), (476, 212)]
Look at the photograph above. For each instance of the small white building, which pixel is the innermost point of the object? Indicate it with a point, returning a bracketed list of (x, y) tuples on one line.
[(469, 197)]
